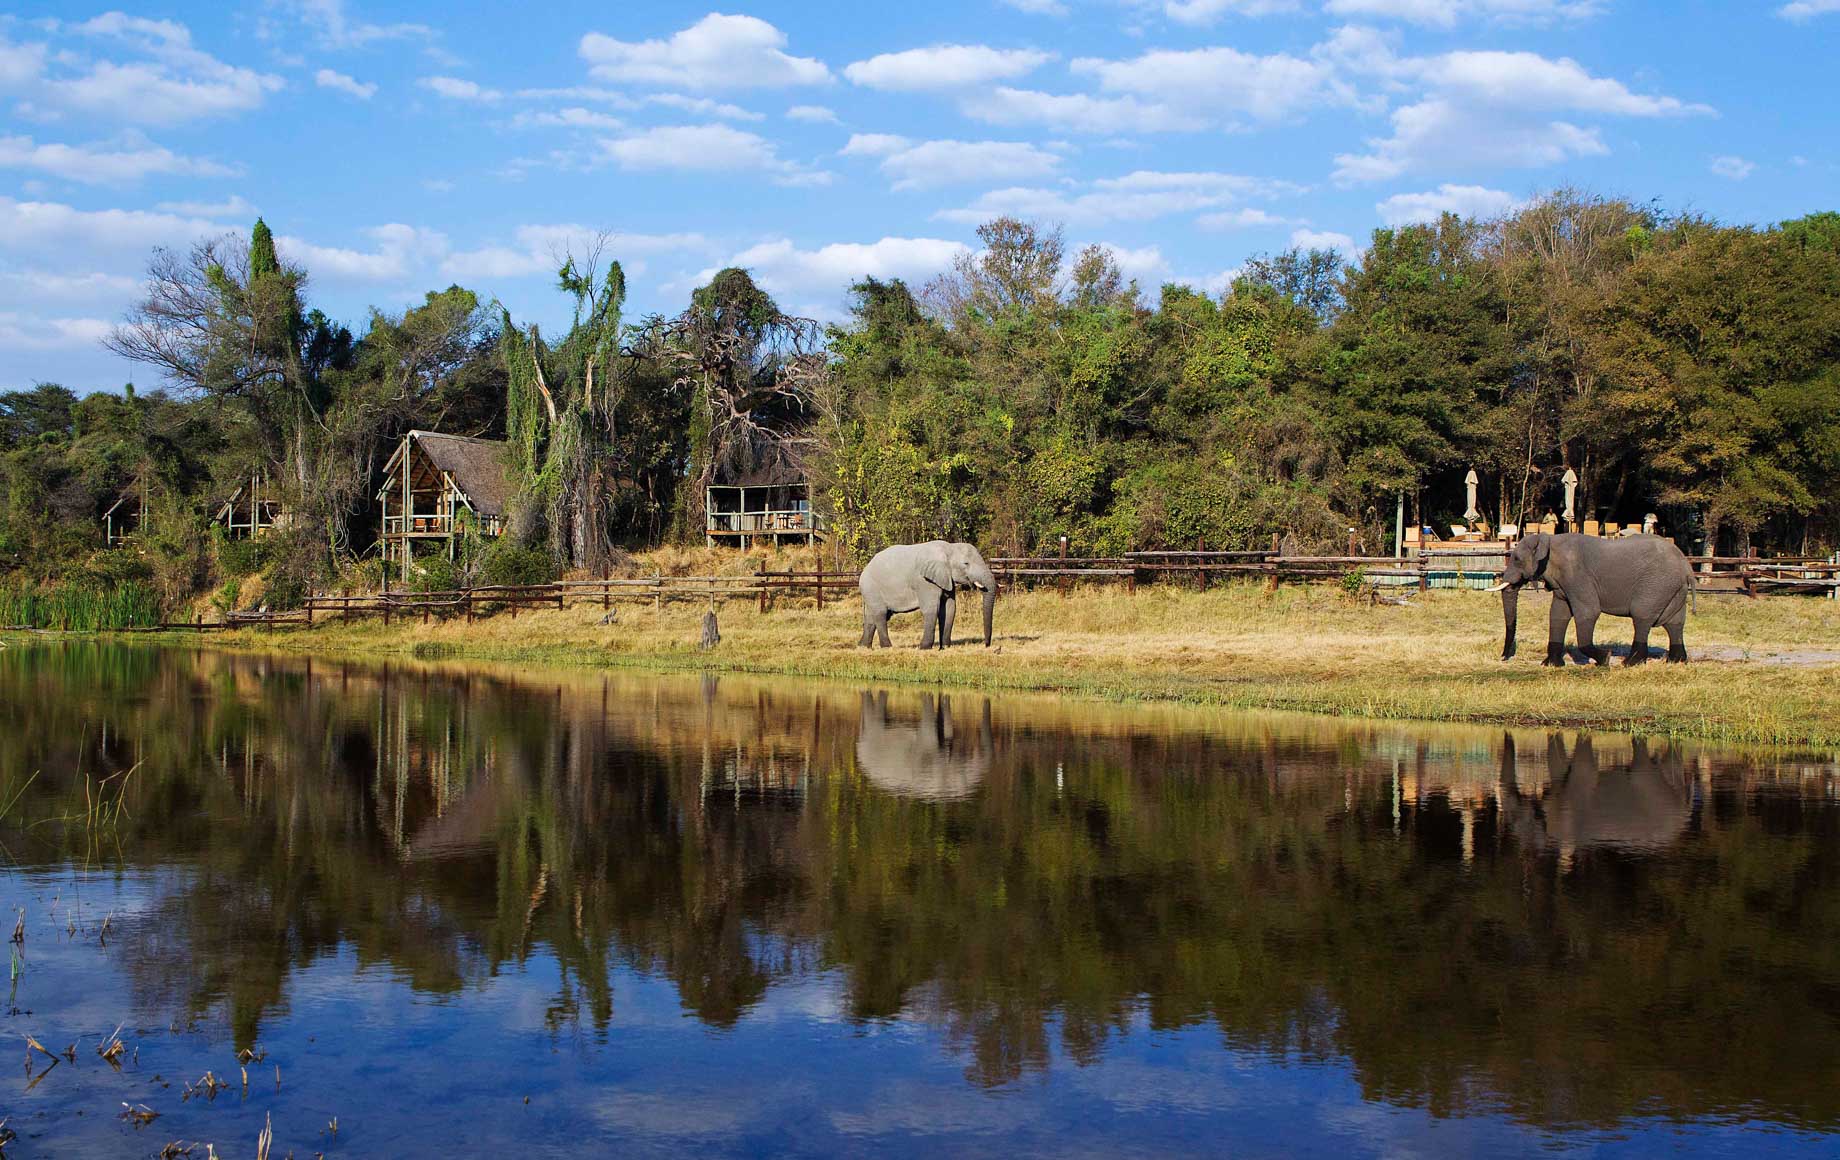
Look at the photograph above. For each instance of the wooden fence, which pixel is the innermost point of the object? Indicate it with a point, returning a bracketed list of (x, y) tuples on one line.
[(1454, 566)]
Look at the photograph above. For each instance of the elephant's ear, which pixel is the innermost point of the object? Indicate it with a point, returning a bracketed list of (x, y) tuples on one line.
[(1542, 548), (937, 573)]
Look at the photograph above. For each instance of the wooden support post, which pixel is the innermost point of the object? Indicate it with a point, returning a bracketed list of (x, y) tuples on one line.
[(1351, 541), (760, 578), (606, 591), (1277, 542), (469, 606), (1066, 581), (1200, 567), (1424, 571), (820, 585)]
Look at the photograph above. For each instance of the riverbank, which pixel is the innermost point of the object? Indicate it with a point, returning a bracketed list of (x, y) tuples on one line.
[(1764, 672)]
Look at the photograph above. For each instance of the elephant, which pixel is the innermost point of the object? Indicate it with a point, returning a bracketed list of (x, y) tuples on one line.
[(924, 577), (929, 759), (1642, 577), (1645, 807)]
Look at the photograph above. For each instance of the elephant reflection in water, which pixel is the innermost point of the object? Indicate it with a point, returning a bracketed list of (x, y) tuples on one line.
[(931, 758), (1643, 808)]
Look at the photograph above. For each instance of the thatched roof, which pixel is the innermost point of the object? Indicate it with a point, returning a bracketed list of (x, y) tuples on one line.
[(476, 465)]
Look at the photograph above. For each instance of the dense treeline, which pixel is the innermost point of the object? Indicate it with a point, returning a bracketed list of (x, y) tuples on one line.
[(1675, 364)]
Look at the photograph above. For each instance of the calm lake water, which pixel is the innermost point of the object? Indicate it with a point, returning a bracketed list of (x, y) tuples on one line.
[(477, 911)]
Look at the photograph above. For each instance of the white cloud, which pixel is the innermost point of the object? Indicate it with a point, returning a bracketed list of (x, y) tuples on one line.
[(399, 252), (1322, 240), (1470, 201), (44, 286), (573, 117), (119, 163), (927, 164), (1249, 217), (456, 89), (1208, 11), (1447, 13), (1808, 9), (1145, 265), (1081, 112), (31, 332), (944, 66), (1528, 79), (1734, 168), (170, 82), (1441, 134), (874, 144), (1498, 109), (1221, 81), (232, 207), (703, 107), (539, 250), (812, 115), (782, 268), (709, 148), (121, 235), (336, 29), (1140, 196), (20, 64), (328, 79), (1037, 7), (717, 52)]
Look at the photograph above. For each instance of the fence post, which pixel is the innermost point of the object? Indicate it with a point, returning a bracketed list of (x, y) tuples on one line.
[(1351, 541), (820, 584), (606, 591), (1066, 581), (1424, 576), (469, 606), (1200, 568), (309, 605), (760, 578)]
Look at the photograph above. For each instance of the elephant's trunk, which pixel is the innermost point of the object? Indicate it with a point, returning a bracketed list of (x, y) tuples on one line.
[(990, 608), (1510, 616)]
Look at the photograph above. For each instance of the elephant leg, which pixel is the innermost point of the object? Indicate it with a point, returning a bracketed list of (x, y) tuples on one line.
[(1677, 641), (950, 614), (881, 627), (929, 622), (1638, 649), (1557, 621), (1586, 619), (872, 616)]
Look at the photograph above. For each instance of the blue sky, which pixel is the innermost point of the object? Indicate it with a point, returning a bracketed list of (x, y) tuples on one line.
[(397, 148)]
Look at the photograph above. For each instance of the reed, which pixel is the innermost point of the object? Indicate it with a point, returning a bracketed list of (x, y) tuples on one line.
[(79, 607)]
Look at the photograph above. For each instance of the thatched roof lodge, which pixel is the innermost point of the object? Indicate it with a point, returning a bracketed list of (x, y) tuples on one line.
[(435, 484)]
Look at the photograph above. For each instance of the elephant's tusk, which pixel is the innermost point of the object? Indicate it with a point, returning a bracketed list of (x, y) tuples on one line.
[(1497, 587)]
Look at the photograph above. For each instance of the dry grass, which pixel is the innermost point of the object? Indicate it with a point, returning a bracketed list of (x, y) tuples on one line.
[(1767, 672)]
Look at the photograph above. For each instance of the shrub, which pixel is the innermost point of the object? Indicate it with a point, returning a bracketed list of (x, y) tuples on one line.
[(506, 563), (239, 558)]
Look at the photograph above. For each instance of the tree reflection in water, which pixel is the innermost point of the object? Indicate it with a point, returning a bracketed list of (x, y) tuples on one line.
[(1568, 929)]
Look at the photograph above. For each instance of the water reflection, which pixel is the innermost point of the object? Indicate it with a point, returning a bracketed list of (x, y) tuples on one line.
[(1564, 929), (927, 758)]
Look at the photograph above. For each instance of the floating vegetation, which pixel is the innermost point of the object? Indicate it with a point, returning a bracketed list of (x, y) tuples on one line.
[(112, 1049), (434, 650), (139, 1114), (267, 1139), (208, 1086)]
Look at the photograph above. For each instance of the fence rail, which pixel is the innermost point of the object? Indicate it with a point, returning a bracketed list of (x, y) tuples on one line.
[(1468, 566)]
